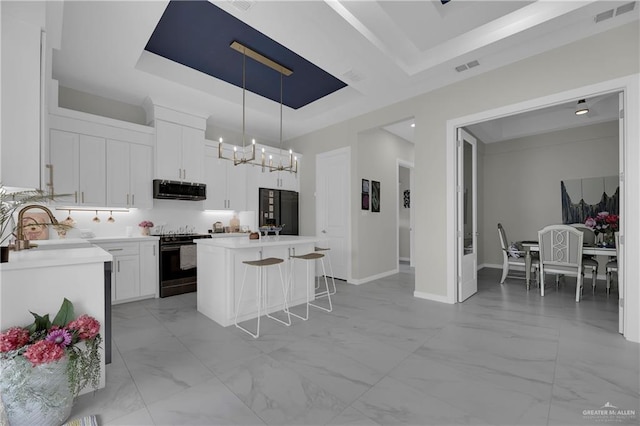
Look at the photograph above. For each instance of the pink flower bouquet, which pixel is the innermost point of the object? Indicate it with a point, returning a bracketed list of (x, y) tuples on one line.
[(146, 224), (45, 342)]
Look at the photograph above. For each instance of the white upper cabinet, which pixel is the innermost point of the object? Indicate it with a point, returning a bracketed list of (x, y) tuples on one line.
[(141, 172), (226, 183), (77, 168), (179, 152), (118, 174), (99, 162), (21, 101), (264, 178), (129, 175), (64, 157)]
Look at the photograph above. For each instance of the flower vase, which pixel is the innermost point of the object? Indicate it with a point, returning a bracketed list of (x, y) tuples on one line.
[(35, 395), (144, 231), (609, 239)]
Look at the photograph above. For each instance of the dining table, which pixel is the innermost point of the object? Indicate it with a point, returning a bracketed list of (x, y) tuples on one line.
[(589, 249)]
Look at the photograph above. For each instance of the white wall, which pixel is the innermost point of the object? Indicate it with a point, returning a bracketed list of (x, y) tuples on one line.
[(375, 234), (98, 105), (173, 214), (522, 179)]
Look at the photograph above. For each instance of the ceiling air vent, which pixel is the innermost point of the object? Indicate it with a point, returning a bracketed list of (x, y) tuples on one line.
[(603, 16), (243, 5), (625, 8), (473, 64), (353, 75), (467, 66)]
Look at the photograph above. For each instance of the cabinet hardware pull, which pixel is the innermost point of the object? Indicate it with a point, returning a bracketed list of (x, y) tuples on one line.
[(133, 199), (50, 184), (118, 266), (75, 194), (116, 249), (179, 173), (127, 199), (184, 173)]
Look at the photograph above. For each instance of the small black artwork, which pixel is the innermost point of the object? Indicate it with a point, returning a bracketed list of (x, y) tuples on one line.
[(407, 199), (375, 196), (365, 194)]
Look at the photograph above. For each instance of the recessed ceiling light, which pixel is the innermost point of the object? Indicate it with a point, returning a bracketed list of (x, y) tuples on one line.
[(413, 124), (581, 107)]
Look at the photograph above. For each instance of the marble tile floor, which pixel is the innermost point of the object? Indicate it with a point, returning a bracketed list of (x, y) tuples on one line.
[(504, 357)]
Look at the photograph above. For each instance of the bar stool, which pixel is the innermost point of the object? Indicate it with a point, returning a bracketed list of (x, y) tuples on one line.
[(261, 292), (311, 257), (333, 280)]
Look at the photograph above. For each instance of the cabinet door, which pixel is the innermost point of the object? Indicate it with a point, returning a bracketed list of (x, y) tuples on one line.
[(215, 172), (141, 187), (236, 187), (63, 159), (192, 154), (288, 181), (168, 150), (127, 273), (92, 171), (118, 176), (149, 268)]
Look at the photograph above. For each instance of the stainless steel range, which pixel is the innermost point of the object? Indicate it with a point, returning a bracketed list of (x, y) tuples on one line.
[(178, 272)]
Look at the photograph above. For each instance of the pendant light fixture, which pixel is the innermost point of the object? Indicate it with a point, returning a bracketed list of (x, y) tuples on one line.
[(293, 161), (247, 156), (581, 107)]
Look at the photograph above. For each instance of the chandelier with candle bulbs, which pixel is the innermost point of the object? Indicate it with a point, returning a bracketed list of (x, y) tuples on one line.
[(247, 154)]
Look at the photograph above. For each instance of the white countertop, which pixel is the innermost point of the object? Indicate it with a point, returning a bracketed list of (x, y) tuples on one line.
[(34, 258), (244, 243)]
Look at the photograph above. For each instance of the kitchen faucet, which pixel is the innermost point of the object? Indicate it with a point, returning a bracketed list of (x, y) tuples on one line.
[(21, 241)]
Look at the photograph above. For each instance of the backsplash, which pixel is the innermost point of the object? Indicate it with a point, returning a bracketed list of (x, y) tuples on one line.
[(171, 215)]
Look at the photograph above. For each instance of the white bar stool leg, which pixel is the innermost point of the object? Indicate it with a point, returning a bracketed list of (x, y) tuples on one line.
[(262, 293), (285, 305), (333, 280), (291, 281), (325, 293), (258, 288)]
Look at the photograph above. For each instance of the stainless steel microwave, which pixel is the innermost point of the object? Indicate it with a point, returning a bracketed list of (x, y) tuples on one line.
[(176, 190)]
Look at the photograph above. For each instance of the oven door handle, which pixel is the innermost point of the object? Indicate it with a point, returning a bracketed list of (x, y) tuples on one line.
[(170, 248)]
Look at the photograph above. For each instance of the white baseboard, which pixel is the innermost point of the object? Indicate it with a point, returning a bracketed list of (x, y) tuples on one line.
[(373, 277), (430, 296)]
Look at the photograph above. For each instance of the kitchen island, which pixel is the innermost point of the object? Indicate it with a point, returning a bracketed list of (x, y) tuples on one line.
[(38, 280), (220, 272)]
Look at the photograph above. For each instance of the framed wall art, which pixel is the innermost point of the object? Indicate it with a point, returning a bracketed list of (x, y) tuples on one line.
[(375, 196), (365, 194)]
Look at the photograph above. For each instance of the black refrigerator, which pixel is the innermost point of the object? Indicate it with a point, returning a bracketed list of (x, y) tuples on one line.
[(279, 208)]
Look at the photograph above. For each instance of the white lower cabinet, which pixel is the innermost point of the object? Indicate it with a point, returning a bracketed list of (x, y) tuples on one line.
[(135, 270), (149, 268)]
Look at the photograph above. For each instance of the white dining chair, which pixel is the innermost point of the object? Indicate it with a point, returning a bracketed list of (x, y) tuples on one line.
[(514, 259), (561, 253), (612, 265), (588, 262)]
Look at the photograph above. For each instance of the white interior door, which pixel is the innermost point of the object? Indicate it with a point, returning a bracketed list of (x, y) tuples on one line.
[(620, 251), (333, 179), (467, 216)]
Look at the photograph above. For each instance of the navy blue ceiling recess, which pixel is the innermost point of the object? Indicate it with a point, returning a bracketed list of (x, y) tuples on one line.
[(197, 34)]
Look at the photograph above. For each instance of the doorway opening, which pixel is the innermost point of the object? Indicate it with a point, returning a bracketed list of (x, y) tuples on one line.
[(626, 100), (405, 217)]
